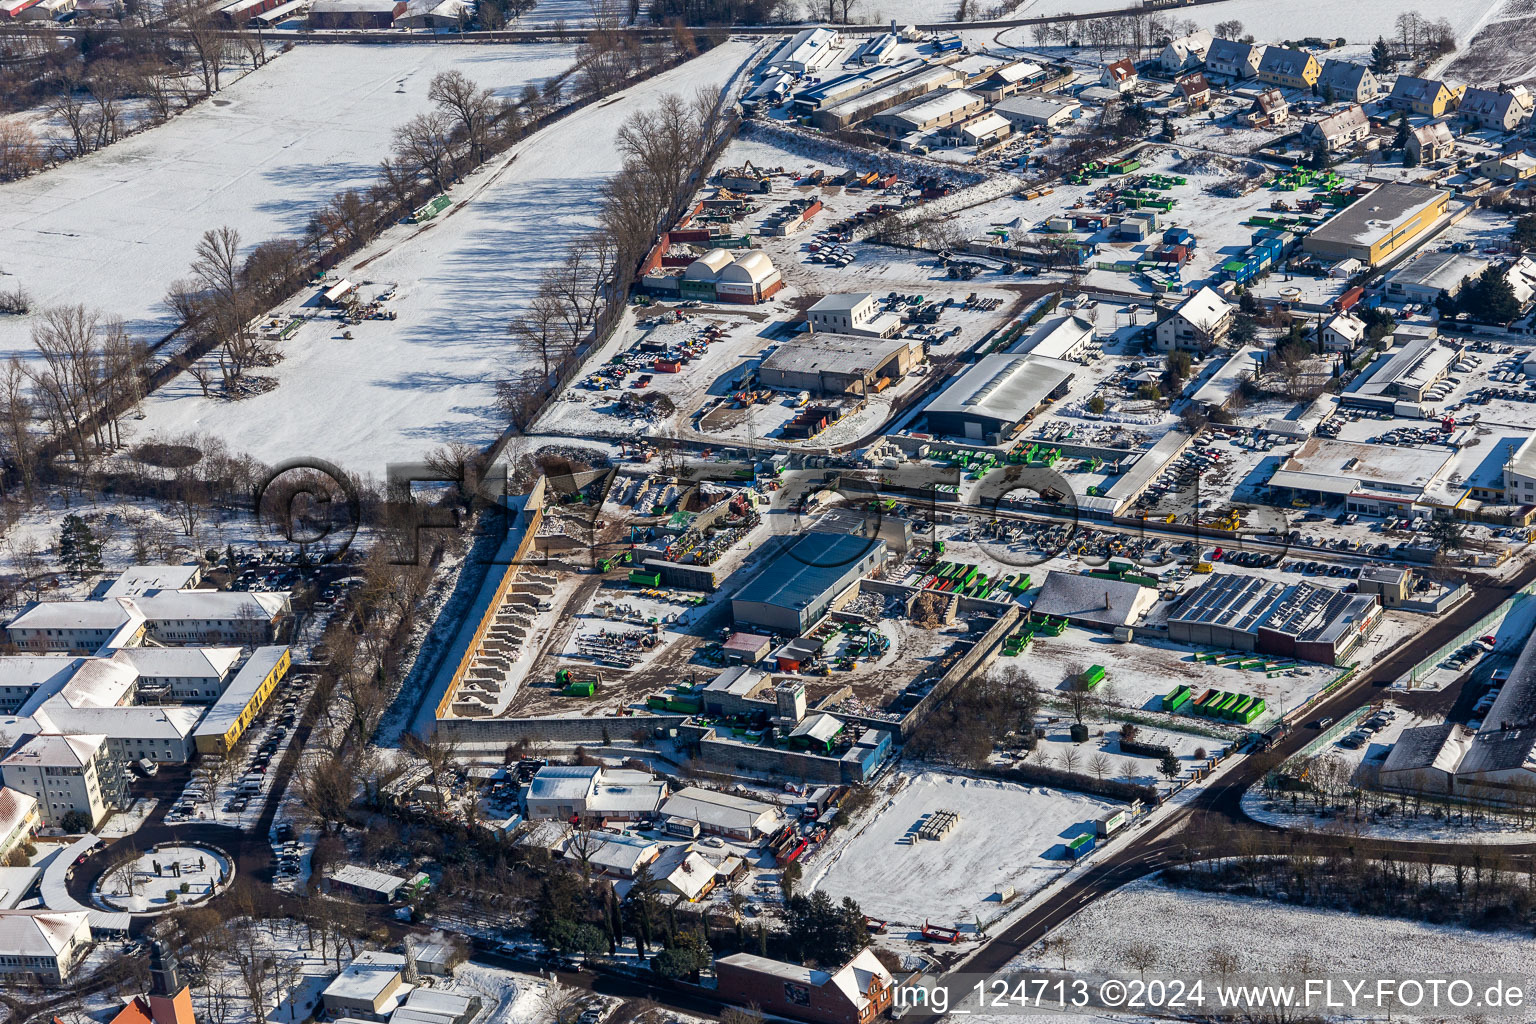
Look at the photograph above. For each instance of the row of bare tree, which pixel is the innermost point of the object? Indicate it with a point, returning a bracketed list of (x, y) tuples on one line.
[(667, 151), (1132, 33), (109, 82)]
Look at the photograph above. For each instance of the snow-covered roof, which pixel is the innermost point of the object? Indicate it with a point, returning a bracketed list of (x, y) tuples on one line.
[(237, 696), (852, 981), (1346, 326), (721, 810), (936, 105), (1342, 74), (706, 267), (366, 878), (1056, 336), (738, 680), (621, 855), (1270, 102), (840, 302), (684, 870), (43, 933), (1205, 310), (1435, 133), (751, 267), (95, 683), (1017, 72), (1350, 119), (563, 782), (181, 662), (367, 977), (50, 750), (108, 614), (1003, 386), (140, 579), (986, 124), (1278, 60), (1197, 43), (207, 605), (823, 728)]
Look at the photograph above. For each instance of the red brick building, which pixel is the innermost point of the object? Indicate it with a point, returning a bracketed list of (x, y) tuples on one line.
[(855, 994)]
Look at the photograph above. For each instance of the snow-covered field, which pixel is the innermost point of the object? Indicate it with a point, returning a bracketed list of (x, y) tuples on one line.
[(1007, 835), (114, 230), (1185, 925), (398, 388)]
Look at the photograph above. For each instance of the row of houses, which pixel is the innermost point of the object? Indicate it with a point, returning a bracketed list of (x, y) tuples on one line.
[(1505, 108)]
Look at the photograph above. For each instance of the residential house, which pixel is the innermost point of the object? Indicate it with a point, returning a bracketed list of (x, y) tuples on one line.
[(1194, 91), (1291, 69), (1236, 60), (1342, 332), (1006, 81), (1504, 110), (1339, 131), (1199, 322), (1344, 81), (1185, 53), (1516, 166), (1430, 143), (1269, 110), (1427, 97), (1120, 76)]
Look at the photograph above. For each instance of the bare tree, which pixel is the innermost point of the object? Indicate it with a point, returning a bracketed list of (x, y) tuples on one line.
[(20, 152), (472, 108), (1141, 955), (1099, 765), (424, 141)]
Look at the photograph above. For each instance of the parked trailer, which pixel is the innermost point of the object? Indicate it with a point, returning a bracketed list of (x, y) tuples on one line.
[(1111, 823), (933, 933)]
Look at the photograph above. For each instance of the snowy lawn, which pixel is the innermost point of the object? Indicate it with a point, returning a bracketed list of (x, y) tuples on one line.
[(1186, 924), (400, 387), (1007, 835), (114, 230)]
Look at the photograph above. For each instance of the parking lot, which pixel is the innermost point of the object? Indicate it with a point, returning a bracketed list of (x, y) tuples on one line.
[(239, 787)]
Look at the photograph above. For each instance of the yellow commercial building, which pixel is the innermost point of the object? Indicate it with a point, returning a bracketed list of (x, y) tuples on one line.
[(1384, 223), (229, 717)]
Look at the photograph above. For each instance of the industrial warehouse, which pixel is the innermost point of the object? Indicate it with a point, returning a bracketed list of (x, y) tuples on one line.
[(1305, 620), (1385, 223), (833, 364), (997, 396)]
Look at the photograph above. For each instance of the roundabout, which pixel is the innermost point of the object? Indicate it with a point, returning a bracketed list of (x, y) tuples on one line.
[(166, 877)]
